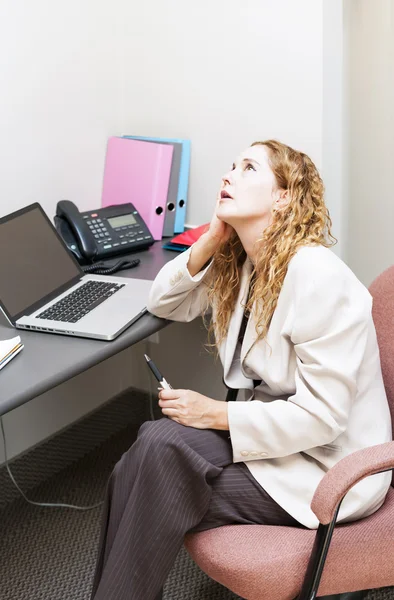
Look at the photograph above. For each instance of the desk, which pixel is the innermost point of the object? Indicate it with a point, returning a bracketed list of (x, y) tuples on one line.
[(49, 359)]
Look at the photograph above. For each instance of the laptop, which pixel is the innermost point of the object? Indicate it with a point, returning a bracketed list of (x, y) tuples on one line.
[(43, 287)]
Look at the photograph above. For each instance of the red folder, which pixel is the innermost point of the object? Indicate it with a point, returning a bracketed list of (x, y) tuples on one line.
[(184, 240), (187, 238)]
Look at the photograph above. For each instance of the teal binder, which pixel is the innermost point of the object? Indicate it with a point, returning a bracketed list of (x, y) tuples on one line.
[(183, 184)]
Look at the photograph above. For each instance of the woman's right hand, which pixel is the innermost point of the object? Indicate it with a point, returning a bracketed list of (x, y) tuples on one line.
[(208, 243), (218, 231)]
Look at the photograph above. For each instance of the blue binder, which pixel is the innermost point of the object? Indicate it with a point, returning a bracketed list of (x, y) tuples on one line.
[(180, 211)]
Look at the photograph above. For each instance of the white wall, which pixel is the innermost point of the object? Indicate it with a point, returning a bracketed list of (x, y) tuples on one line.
[(333, 138), (61, 97), (369, 30), (225, 74), (221, 73)]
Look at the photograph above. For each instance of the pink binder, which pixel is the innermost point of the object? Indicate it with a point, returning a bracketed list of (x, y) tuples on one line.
[(138, 172)]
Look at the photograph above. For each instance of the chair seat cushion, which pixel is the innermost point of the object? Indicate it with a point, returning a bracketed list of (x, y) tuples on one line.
[(260, 562)]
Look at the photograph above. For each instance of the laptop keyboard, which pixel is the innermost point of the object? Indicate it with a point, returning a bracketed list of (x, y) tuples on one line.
[(79, 303)]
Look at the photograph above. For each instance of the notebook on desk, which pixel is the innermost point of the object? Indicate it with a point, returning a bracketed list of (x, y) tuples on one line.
[(9, 349), (43, 288)]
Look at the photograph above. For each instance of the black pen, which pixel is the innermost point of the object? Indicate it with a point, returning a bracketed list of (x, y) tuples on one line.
[(164, 384)]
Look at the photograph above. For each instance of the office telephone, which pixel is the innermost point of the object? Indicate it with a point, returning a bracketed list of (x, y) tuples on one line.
[(102, 233)]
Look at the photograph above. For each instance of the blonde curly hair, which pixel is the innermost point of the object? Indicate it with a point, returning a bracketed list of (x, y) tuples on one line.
[(304, 220)]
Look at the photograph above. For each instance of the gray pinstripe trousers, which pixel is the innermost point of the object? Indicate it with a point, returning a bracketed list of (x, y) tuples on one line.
[(172, 480)]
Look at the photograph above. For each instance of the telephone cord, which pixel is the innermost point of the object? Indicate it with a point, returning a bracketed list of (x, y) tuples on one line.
[(45, 504)]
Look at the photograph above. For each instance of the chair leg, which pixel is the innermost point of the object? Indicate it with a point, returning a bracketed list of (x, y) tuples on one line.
[(345, 596)]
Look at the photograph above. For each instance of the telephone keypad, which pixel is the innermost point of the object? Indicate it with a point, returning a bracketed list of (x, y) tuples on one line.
[(98, 229)]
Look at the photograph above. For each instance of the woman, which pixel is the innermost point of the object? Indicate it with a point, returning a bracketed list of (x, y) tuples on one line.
[(294, 331)]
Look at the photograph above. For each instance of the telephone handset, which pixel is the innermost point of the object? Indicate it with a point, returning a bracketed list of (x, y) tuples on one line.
[(102, 233), (85, 246)]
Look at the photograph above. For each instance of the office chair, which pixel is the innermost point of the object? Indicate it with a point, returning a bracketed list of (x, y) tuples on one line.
[(260, 562)]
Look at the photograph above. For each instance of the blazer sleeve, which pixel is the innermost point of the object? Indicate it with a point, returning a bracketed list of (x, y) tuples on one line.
[(332, 319), (175, 294)]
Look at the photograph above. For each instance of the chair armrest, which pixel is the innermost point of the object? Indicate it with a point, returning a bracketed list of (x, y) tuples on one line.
[(345, 474)]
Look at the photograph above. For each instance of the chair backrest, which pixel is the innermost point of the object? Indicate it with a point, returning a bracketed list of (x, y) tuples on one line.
[(382, 290)]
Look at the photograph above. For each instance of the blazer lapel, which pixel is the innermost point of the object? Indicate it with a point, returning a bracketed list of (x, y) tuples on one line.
[(250, 335)]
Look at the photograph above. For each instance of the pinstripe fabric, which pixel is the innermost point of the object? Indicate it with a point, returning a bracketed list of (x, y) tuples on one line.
[(172, 480)]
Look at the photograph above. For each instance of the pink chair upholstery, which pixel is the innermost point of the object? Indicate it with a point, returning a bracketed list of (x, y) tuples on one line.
[(260, 562)]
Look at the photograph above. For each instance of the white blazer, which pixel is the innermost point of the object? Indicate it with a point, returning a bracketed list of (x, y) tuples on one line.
[(322, 394)]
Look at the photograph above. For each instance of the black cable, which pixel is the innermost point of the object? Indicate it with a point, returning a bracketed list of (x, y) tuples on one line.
[(102, 269), (45, 504)]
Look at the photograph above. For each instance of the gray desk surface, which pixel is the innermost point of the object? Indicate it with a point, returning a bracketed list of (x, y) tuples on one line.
[(49, 359)]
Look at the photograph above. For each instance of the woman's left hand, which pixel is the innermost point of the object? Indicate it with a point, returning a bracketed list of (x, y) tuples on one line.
[(193, 409)]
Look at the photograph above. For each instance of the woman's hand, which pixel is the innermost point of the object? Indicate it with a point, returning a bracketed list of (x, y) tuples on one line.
[(193, 409), (208, 243), (218, 231)]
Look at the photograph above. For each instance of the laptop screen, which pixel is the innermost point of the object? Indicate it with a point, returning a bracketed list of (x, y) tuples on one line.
[(34, 262)]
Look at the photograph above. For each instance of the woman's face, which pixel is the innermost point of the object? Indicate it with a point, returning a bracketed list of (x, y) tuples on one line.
[(248, 190)]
